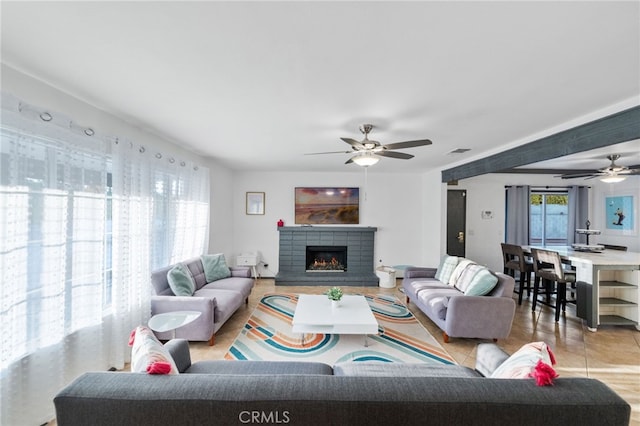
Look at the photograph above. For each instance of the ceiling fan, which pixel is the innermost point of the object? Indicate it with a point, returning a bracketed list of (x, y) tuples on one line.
[(367, 151), (611, 174)]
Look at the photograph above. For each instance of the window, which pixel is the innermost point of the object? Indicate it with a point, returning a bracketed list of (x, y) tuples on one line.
[(548, 220), (80, 230)]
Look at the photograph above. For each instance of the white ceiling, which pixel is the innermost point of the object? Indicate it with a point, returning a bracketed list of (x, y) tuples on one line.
[(256, 85)]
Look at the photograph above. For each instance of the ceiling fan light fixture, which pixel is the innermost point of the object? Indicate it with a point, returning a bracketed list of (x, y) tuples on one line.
[(613, 179), (365, 159)]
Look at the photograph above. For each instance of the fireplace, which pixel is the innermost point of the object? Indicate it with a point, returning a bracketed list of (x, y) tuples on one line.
[(344, 256), (326, 258)]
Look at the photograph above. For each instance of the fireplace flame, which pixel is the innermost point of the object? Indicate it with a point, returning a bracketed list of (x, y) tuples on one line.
[(332, 265)]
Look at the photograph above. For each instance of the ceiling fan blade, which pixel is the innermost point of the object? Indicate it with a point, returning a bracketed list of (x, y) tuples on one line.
[(349, 161), (329, 152), (354, 143), (408, 144), (579, 175), (392, 154)]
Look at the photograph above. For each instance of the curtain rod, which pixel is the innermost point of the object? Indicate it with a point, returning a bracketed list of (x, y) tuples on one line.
[(16, 105)]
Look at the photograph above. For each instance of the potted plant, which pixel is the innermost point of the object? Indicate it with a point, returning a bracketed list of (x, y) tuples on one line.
[(334, 294)]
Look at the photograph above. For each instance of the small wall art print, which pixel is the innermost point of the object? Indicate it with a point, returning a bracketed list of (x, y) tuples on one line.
[(255, 203), (620, 213), (327, 206)]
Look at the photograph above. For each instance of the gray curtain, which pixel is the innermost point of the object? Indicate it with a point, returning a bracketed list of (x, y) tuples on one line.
[(518, 201), (578, 213)]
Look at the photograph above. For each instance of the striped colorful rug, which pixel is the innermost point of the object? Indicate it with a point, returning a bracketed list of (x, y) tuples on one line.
[(267, 335)]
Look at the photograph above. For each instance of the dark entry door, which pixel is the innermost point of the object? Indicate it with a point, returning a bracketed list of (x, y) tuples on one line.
[(456, 221)]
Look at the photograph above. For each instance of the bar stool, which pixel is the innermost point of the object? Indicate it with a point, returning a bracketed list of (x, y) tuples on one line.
[(514, 260), (547, 268)]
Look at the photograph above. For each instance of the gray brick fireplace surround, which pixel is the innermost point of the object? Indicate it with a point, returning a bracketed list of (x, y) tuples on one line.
[(292, 269)]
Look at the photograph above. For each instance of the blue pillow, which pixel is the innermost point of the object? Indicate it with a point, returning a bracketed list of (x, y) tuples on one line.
[(215, 267), (180, 281), (482, 283)]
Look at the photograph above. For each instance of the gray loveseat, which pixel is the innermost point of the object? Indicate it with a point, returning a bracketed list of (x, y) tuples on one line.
[(360, 393), (217, 300), (458, 315)]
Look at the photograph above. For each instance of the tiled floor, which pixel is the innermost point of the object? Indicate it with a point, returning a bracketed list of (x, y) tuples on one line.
[(612, 354)]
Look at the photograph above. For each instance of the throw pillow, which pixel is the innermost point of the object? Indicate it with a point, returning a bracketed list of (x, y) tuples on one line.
[(476, 280), (482, 283), (446, 267), (148, 355), (462, 265), (534, 359), (215, 267), (180, 281), (466, 276)]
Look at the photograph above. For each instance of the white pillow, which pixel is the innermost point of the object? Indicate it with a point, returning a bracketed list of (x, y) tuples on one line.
[(148, 355), (462, 265), (522, 363)]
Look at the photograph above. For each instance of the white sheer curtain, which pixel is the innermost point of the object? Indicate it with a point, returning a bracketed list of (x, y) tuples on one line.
[(131, 224), (518, 205), (191, 211), (51, 263), (83, 221)]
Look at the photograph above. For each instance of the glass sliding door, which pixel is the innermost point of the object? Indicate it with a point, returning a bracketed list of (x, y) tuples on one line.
[(548, 218)]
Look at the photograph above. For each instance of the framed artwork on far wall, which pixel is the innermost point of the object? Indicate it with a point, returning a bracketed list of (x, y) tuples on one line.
[(327, 205), (621, 214), (255, 203)]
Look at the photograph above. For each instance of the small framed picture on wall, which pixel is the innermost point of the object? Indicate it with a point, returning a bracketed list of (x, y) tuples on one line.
[(621, 214), (255, 203)]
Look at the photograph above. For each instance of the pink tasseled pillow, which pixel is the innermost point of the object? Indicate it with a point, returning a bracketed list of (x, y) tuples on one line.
[(148, 355), (534, 359)]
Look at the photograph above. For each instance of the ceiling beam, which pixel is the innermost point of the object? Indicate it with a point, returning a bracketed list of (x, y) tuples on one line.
[(620, 127), (529, 171)]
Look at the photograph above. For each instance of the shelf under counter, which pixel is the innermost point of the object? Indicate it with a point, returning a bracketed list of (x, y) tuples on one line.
[(616, 320)]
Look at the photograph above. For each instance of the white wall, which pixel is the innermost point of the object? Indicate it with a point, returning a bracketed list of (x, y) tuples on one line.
[(390, 202), (40, 94)]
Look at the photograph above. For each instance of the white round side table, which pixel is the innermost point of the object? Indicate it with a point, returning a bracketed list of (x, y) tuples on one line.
[(169, 321)]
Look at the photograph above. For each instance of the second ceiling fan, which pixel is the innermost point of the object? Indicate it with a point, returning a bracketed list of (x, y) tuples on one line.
[(611, 174), (367, 151)]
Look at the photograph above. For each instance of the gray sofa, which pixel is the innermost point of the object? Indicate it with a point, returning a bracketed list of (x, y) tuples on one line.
[(217, 300), (458, 315), (303, 393)]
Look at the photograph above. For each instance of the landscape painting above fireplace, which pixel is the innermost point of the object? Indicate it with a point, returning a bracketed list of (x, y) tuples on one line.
[(314, 206)]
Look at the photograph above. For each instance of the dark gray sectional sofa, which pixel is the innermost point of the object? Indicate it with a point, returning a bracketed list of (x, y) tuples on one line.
[(308, 393)]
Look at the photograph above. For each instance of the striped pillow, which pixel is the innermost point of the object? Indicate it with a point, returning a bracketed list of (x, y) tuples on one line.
[(522, 364), (476, 280), (446, 267), (148, 355), (462, 265)]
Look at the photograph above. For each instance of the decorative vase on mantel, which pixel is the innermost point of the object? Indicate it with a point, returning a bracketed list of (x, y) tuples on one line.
[(335, 304)]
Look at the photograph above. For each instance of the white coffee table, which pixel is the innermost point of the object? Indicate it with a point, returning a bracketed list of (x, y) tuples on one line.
[(169, 321), (314, 314)]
